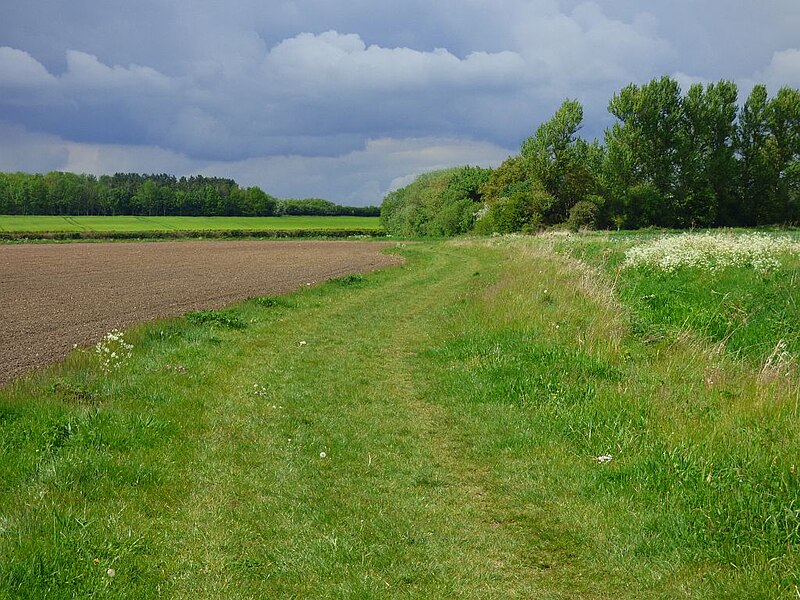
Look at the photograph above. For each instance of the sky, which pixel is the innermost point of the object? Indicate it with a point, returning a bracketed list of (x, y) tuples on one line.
[(348, 100)]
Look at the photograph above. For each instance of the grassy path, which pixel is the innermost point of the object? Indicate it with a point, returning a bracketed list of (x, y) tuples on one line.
[(429, 431)]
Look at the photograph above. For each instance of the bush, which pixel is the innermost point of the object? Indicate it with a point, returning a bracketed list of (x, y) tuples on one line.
[(583, 215), (441, 203), (521, 211)]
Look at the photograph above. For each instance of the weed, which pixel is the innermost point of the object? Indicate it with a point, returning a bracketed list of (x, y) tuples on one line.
[(77, 392), (356, 280), (113, 351), (223, 318)]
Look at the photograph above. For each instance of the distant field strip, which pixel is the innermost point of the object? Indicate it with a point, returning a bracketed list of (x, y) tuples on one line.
[(38, 224)]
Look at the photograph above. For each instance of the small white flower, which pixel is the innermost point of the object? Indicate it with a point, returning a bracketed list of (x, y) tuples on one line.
[(604, 458), (322, 455), (302, 342), (111, 572)]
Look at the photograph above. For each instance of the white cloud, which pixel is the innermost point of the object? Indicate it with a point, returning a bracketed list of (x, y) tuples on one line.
[(332, 61), (363, 176), (21, 150), (783, 69), (85, 73), (19, 69)]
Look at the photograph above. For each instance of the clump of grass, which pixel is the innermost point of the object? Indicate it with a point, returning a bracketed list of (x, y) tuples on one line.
[(273, 301), (356, 280), (223, 318), (70, 391), (267, 301)]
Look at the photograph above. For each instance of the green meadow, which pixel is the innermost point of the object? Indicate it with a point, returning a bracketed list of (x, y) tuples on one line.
[(36, 224), (510, 417)]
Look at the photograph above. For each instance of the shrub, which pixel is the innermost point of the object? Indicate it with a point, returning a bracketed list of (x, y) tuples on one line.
[(440, 203), (521, 211), (583, 215)]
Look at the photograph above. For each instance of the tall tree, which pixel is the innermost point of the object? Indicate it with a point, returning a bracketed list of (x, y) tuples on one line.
[(646, 146), (555, 157), (757, 177), (783, 119), (706, 157)]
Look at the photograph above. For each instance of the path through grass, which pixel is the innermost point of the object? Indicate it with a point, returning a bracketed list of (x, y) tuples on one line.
[(428, 431)]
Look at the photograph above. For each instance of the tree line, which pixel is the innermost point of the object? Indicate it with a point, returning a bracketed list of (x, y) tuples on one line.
[(670, 160), (60, 193)]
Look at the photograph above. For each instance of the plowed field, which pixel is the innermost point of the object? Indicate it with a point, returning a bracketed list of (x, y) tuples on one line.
[(55, 296)]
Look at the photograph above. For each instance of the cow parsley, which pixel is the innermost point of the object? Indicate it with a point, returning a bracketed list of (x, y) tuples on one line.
[(712, 252), (113, 351)]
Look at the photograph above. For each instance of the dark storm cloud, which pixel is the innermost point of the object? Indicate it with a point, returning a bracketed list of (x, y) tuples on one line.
[(251, 88)]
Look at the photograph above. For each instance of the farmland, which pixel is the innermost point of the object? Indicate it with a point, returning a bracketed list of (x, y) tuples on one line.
[(520, 416), (142, 224), (54, 297)]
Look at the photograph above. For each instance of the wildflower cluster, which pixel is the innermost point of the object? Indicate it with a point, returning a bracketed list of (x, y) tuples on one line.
[(712, 252), (113, 351)]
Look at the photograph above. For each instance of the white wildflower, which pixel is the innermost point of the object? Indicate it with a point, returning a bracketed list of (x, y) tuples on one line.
[(322, 455), (712, 252), (604, 458), (113, 351)]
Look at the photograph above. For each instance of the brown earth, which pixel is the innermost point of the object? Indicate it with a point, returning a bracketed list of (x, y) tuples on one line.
[(55, 296)]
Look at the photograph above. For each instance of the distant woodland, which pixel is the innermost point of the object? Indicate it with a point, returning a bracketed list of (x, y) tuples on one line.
[(60, 193), (671, 160)]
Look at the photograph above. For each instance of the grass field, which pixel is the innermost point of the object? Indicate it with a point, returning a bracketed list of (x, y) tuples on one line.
[(505, 418), (35, 224)]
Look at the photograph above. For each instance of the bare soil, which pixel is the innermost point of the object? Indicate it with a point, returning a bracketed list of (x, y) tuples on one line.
[(55, 296)]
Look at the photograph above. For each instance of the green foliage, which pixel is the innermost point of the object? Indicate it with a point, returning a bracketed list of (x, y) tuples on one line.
[(436, 204), (521, 211), (671, 160), (150, 195), (583, 215), (324, 208), (707, 186), (508, 178), (564, 165), (270, 301), (354, 280)]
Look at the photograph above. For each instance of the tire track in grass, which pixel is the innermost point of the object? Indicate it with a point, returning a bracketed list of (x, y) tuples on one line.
[(389, 510)]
